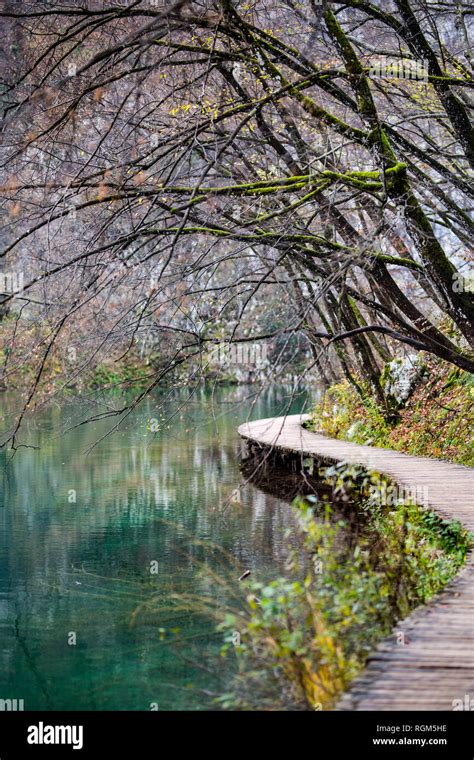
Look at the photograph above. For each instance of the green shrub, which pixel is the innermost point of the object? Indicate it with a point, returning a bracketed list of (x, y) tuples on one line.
[(436, 420), (302, 638)]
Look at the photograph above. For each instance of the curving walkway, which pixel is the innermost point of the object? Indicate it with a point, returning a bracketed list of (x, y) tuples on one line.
[(435, 665)]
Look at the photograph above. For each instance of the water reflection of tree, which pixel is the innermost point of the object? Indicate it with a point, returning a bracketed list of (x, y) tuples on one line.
[(85, 566)]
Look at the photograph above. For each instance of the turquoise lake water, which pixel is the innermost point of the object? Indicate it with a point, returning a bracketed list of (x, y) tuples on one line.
[(95, 542)]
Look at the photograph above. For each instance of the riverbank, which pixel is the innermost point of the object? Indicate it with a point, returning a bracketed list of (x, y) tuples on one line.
[(76, 365), (436, 420)]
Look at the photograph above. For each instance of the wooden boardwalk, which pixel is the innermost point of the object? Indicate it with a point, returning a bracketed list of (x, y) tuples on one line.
[(435, 665)]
